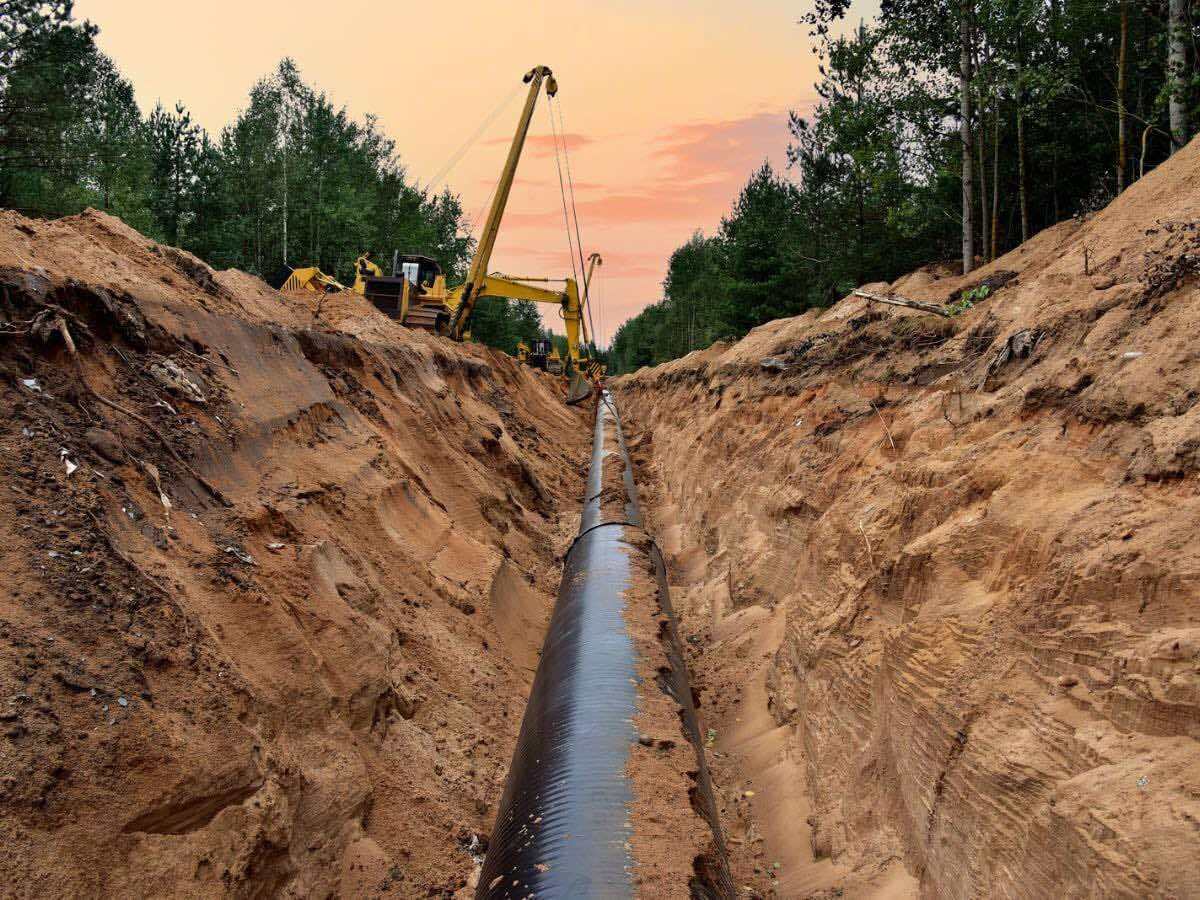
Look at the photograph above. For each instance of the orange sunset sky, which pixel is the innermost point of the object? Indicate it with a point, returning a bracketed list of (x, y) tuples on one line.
[(668, 105)]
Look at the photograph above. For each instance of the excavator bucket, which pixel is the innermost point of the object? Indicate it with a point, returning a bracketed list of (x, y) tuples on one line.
[(579, 388)]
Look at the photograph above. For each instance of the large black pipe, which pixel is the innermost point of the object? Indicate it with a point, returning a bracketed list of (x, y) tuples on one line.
[(563, 826)]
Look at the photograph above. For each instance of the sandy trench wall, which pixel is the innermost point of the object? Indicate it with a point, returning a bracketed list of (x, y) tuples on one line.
[(265, 662), (980, 533)]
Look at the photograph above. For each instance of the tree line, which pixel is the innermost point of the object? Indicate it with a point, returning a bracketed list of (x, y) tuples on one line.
[(293, 180), (944, 130)]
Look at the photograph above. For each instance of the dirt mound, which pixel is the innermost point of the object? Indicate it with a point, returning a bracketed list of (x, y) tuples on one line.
[(940, 575), (247, 642)]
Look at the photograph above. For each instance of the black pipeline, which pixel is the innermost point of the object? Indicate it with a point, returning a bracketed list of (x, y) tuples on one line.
[(563, 826)]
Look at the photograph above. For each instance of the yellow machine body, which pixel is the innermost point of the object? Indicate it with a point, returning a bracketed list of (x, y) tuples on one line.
[(512, 288), (363, 267), (311, 279)]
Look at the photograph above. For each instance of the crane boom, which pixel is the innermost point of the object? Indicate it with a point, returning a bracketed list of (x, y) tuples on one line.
[(487, 240)]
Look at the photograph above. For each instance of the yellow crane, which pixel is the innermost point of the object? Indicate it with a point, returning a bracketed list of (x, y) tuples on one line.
[(472, 289), (416, 293)]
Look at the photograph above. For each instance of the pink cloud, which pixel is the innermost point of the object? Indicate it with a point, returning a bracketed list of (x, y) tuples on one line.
[(637, 273), (701, 167), (679, 202), (689, 176), (542, 145), (617, 265), (723, 149), (619, 260), (521, 181)]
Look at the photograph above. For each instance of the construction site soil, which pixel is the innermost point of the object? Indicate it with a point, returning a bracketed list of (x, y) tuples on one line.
[(277, 572), (276, 576), (939, 577)]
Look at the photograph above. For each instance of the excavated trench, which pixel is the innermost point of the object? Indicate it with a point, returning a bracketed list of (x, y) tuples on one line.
[(938, 576), (279, 570)]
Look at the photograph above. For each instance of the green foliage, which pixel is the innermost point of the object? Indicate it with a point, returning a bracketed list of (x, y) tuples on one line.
[(503, 323), (293, 180), (968, 298), (850, 217), (977, 293), (875, 188)]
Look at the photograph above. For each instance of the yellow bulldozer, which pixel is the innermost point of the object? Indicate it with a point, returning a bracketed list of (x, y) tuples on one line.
[(415, 293)]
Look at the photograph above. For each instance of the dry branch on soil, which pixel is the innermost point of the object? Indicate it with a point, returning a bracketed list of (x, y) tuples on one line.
[(59, 324), (921, 305)]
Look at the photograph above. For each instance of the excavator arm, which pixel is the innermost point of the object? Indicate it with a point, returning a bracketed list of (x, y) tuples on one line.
[(504, 286), (513, 288), (582, 371)]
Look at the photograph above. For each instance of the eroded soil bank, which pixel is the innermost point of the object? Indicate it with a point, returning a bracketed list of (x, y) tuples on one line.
[(939, 578), (276, 576)]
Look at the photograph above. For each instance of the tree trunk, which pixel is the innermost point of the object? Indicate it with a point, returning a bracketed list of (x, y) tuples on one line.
[(985, 238), (859, 190), (1122, 125), (1177, 72), (176, 190), (1139, 106), (1054, 180), (964, 132), (995, 177), (1021, 187), (860, 231), (285, 205), (981, 150)]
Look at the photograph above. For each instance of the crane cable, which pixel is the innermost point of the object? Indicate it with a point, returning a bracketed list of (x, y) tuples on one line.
[(458, 154), (486, 205), (563, 191), (574, 213), (578, 239)]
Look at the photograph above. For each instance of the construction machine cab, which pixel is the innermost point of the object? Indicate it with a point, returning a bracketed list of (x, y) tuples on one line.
[(539, 354), (421, 271), (415, 292)]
